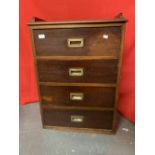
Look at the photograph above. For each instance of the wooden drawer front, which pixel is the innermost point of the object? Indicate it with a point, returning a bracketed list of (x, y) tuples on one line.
[(78, 96), (78, 118), (85, 71), (103, 41)]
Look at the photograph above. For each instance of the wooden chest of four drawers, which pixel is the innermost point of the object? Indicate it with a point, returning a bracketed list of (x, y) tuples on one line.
[(77, 68)]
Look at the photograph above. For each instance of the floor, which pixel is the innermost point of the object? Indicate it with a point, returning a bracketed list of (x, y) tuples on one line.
[(37, 141)]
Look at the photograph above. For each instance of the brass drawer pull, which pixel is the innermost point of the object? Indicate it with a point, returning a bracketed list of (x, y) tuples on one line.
[(76, 96), (75, 42), (47, 98), (76, 72), (77, 119)]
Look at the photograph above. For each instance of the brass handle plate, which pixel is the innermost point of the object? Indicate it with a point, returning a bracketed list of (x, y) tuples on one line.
[(75, 42), (76, 72), (76, 96), (47, 98), (77, 119)]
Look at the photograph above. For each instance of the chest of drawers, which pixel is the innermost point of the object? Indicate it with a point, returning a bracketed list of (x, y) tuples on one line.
[(77, 69)]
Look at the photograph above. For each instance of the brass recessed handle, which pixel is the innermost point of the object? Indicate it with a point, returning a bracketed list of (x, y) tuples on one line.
[(76, 72), (75, 42), (77, 119), (76, 96), (47, 98)]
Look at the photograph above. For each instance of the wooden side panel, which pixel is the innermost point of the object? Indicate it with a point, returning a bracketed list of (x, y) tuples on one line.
[(118, 75)]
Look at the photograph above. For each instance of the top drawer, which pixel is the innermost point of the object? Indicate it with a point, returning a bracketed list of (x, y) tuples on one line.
[(103, 41)]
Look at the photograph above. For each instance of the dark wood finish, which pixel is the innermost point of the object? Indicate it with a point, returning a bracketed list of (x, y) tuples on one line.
[(55, 42), (73, 26), (95, 71), (118, 77), (92, 97), (102, 59), (92, 119), (76, 107), (119, 19), (36, 72), (76, 57), (36, 19), (73, 129), (78, 84)]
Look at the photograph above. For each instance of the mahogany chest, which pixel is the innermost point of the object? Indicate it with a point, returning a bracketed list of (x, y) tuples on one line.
[(77, 69)]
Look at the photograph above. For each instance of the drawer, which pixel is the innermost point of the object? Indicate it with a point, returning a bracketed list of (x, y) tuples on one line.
[(77, 96), (103, 41), (78, 118), (82, 71)]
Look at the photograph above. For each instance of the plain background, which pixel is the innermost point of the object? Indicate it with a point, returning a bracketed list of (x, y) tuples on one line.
[(78, 10), (145, 77)]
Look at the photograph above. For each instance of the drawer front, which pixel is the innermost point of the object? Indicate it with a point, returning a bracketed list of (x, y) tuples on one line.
[(78, 118), (103, 41), (78, 96), (82, 71)]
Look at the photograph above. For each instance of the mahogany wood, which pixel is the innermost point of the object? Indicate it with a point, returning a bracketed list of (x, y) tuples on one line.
[(92, 97), (95, 71), (71, 129), (63, 118), (100, 58), (55, 42), (78, 84)]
